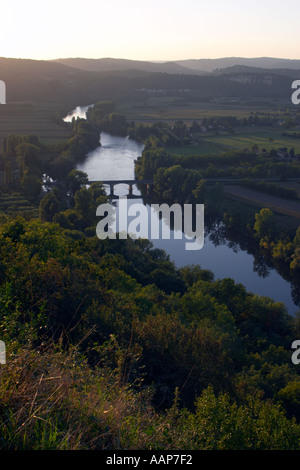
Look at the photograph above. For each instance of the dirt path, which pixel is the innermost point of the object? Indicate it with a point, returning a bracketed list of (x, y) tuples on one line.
[(284, 206)]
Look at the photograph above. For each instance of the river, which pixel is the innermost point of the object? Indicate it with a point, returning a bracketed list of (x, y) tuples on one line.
[(114, 159)]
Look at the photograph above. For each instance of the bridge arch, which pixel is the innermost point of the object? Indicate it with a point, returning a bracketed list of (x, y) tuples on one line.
[(130, 183)]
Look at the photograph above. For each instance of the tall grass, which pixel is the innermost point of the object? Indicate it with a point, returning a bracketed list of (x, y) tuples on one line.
[(52, 400)]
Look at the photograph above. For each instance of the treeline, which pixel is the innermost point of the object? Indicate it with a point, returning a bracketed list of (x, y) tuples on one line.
[(22, 163), (25, 161), (121, 350), (103, 118), (271, 188), (84, 138), (228, 123), (77, 213), (281, 244), (236, 164), (181, 134), (161, 133)]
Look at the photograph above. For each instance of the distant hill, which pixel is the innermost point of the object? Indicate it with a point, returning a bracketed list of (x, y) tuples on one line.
[(40, 80), (187, 67), (244, 69), (210, 65), (122, 65), (56, 82)]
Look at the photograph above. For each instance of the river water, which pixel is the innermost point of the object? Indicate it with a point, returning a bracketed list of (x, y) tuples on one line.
[(114, 160)]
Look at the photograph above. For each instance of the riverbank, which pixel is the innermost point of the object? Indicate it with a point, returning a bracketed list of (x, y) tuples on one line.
[(277, 204)]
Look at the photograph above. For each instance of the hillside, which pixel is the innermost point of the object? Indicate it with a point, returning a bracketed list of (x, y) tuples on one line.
[(210, 65), (187, 67), (113, 65), (48, 81)]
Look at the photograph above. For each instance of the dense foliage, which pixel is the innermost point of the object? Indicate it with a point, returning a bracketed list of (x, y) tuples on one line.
[(181, 360)]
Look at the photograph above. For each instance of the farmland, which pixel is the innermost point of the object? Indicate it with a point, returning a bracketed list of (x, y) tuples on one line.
[(41, 119), (171, 108), (270, 138), (241, 139)]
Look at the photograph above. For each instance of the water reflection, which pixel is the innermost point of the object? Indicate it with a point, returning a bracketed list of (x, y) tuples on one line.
[(226, 253)]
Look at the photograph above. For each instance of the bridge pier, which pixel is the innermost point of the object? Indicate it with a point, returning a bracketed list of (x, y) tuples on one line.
[(130, 189), (111, 189)]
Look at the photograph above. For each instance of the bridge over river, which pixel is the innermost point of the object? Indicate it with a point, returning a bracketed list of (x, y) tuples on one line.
[(130, 183)]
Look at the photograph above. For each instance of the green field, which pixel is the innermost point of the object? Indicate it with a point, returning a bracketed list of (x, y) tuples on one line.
[(41, 119), (241, 139), (269, 139), (170, 109)]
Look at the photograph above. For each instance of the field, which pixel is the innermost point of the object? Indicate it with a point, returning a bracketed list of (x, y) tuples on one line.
[(170, 109), (268, 138), (167, 109), (241, 139), (16, 205), (33, 118)]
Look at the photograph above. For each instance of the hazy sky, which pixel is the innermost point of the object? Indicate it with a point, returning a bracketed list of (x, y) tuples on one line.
[(149, 30)]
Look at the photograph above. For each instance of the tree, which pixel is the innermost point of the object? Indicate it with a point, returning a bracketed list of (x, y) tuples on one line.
[(289, 398), (264, 225), (85, 206), (98, 192), (8, 175), (31, 186), (49, 206), (30, 154), (76, 179), (115, 124)]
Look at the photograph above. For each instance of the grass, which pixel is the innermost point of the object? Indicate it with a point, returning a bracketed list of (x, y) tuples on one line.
[(256, 136), (210, 143), (54, 401)]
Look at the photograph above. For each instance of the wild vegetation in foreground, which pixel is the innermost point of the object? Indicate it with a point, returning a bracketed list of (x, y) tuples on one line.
[(109, 346)]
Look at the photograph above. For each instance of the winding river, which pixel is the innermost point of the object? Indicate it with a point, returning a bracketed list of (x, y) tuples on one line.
[(114, 159)]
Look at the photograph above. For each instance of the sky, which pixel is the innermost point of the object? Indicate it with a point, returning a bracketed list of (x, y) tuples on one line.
[(149, 30)]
